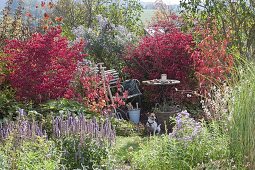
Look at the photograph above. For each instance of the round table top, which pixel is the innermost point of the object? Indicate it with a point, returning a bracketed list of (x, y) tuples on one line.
[(160, 82)]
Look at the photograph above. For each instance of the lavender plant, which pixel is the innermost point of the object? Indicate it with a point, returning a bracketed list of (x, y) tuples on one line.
[(25, 145), (81, 142), (84, 142), (22, 128), (80, 126)]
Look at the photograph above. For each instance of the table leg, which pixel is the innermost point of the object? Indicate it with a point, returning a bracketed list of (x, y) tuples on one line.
[(162, 95)]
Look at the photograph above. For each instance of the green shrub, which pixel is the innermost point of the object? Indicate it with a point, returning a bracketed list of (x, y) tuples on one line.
[(29, 154), (8, 104), (127, 128), (121, 153), (3, 161), (62, 107), (77, 155), (169, 152)]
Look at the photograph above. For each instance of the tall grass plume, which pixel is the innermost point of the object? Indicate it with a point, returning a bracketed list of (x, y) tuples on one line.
[(242, 109)]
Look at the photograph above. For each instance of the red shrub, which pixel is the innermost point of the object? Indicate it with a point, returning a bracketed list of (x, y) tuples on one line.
[(196, 65), (42, 66), (88, 88), (167, 53), (213, 63)]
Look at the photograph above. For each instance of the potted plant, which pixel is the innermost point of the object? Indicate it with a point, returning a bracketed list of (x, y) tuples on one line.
[(134, 113), (164, 111)]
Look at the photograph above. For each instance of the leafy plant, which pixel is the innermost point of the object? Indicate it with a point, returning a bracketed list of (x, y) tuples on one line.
[(82, 154), (30, 154), (11, 25), (38, 17), (162, 54), (125, 12), (238, 15), (89, 88), (8, 104), (62, 107), (212, 62), (84, 142), (191, 143), (105, 42), (23, 18), (42, 66)]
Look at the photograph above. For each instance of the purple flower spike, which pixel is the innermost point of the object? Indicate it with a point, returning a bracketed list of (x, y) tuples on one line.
[(79, 126)]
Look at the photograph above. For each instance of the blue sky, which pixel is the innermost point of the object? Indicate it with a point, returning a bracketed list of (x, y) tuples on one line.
[(2, 3)]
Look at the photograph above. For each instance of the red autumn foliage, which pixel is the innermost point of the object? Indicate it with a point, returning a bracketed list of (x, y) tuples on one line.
[(43, 4), (197, 65), (162, 54), (213, 63), (88, 88), (58, 19), (46, 16), (45, 67), (42, 66), (168, 22)]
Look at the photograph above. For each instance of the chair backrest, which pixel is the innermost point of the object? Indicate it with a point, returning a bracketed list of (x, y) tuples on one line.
[(132, 87), (113, 77)]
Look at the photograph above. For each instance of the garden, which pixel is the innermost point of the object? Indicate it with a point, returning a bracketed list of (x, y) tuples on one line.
[(88, 85)]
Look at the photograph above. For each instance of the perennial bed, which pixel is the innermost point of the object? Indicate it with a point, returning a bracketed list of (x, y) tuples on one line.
[(61, 108)]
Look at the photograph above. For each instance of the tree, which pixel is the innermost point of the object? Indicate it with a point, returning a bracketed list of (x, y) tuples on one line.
[(11, 25), (85, 12), (235, 15)]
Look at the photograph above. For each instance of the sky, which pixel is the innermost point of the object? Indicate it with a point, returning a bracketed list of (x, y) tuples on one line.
[(2, 2)]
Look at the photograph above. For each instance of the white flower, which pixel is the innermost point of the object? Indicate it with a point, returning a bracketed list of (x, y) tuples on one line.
[(79, 31), (188, 95)]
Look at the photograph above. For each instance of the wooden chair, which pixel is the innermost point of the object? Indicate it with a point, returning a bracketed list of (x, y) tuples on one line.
[(131, 86)]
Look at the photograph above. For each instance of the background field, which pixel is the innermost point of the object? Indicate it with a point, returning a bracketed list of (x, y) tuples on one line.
[(147, 15)]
